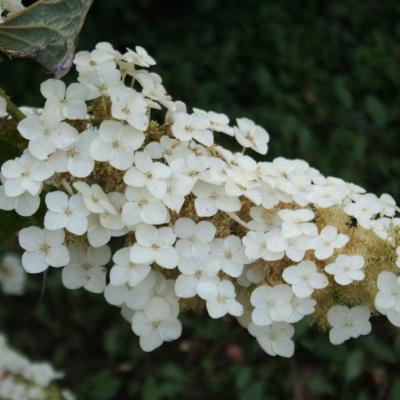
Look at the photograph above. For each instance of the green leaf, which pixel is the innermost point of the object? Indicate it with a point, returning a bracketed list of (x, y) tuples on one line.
[(103, 386), (395, 390), (255, 392), (354, 365), (319, 384), (45, 31), (376, 111)]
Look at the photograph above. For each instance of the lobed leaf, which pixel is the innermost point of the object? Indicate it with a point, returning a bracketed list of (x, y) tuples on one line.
[(45, 31)]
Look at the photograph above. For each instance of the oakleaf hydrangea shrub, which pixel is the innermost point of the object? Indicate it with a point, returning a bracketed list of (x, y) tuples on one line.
[(23, 379), (143, 205)]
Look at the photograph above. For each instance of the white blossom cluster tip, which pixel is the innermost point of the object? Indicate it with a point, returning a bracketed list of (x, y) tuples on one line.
[(12, 275), (155, 214), (22, 379)]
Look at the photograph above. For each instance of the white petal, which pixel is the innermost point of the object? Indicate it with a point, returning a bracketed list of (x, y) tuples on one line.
[(170, 329), (115, 295), (31, 238), (150, 341), (167, 257), (58, 256), (73, 277), (142, 255), (186, 286), (34, 262), (54, 221)]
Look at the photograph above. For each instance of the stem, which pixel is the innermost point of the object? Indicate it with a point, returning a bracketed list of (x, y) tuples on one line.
[(12, 109), (238, 220)]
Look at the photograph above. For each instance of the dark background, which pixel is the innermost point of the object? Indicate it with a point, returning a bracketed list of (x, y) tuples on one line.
[(323, 78)]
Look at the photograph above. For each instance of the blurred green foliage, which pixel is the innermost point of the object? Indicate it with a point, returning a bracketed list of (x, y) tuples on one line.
[(323, 78)]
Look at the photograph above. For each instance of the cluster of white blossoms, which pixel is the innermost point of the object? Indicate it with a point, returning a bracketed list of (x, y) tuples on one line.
[(12, 275), (151, 211), (22, 379)]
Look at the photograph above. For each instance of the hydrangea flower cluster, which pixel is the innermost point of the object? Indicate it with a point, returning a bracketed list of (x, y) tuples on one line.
[(22, 379), (150, 210), (12, 275)]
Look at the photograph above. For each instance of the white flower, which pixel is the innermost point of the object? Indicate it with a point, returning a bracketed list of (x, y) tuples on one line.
[(24, 205), (242, 181), (12, 275), (3, 107), (124, 271), (154, 244), (217, 122), (43, 248), (275, 339), (86, 268), (154, 90), (113, 220), (194, 239), (388, 295), (388, 205), (69, 213), (255, 247), (327, 192), (263, 220), (100, 82), (97, 60), (294, 247), (136, 297), (387, 299), (24, 174), (301, 308), (156, 324), (66, 102), (187, 127), (75, 159), (46, 134), (188, 171), (304, 278), (365, 206), (94, 198), (175, 195), (194, 271), (147, 173), (348, 323), (166, 147), (220, 298), (108, 49), (143, 207), (346, 269), (271, 304), (248, 134), (139, 57), (211, 198), (230, 254), (116, 144), (129, 105), (98, 235), (253, 273), (296, 223), (327, 241)]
